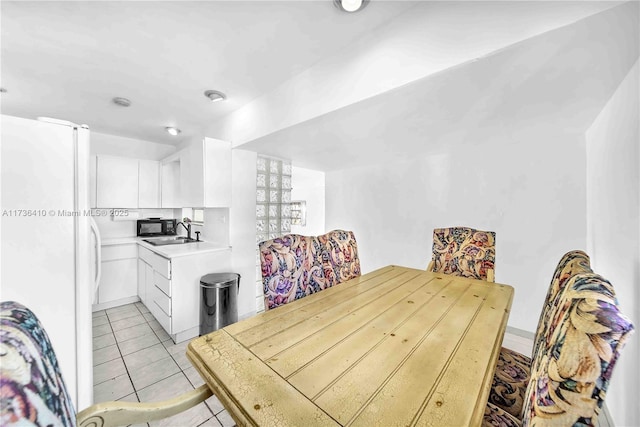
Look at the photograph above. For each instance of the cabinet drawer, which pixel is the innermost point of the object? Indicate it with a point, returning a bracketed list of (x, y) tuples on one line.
[(163, 301), (162, 282), (161, 316), (115, 252), (160, 264)]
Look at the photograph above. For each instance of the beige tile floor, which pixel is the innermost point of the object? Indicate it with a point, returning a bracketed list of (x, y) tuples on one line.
[(135, 360)]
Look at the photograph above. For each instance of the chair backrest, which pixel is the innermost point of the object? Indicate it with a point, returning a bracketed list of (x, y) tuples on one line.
[(572, 263), (287, 264), (294, 266), (463, 251), (585, 334), (31, 386), (338, 252)]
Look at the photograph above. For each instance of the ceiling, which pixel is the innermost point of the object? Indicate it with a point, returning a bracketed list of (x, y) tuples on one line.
[(552, 84), (69, 59)]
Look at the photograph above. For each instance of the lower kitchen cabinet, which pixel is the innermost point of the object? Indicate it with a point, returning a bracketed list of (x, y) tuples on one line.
[(145, 280), (170, 288), (118, 282)]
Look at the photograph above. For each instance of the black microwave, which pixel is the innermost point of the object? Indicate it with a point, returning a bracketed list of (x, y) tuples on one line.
[(156, 227)]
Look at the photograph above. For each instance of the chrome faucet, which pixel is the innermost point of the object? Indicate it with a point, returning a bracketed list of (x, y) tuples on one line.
[(186, 227)]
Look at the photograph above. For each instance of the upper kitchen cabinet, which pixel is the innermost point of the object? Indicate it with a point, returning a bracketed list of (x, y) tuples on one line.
[(116, 182), (148, 184), (204, 173), (217, 173), (171, 195), (123, 182)]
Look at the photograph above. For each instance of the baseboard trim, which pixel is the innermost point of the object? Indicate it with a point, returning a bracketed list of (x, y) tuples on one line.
[(114, 303), (520, 332)]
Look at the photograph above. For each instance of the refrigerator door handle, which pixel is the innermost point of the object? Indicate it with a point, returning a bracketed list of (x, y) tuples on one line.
[(96, 232)]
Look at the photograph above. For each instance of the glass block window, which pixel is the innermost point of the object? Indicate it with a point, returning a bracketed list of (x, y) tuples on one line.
[(273, 208), (299, 212)]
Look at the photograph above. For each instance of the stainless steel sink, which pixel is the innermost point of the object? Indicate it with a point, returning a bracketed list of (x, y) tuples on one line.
[(169, 240)]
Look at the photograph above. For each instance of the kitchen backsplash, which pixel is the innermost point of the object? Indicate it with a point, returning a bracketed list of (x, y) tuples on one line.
[(215, 228)]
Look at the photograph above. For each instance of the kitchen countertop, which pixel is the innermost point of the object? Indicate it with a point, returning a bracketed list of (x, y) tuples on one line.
[(169, 251), (173, 251)]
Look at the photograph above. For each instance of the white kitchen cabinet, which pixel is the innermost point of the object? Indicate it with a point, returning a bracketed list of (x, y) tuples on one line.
[(148, 184), (157, 286), (191, 175), (217, 173), (170, 188), (116, 182), (172, 288), (145, 280), (118, 282), (200, 174)]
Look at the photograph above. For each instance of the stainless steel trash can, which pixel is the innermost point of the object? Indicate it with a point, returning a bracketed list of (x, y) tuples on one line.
[(218, 301)]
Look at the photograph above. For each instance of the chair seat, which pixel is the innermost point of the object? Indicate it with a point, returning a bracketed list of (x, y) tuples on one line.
[(494, 416), (510, 382)]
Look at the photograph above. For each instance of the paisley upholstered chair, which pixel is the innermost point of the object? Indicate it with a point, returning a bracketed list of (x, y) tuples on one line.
[(33, 392), (570, 373), (338, 251), (463, 251), (294, 266), (290, 269), (513, 370), (571, 263)]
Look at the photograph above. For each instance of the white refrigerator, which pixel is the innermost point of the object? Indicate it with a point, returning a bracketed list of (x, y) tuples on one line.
[(47, 251)]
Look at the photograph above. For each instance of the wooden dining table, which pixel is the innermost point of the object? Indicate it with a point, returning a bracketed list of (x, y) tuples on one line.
[(396, 346)]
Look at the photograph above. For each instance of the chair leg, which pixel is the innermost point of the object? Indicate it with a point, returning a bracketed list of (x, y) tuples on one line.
[(430, 266), (111, 414)]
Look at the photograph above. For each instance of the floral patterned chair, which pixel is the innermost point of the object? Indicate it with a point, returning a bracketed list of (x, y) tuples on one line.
[(289, 268), (463, 251), (338, 251), (33, 392), (570, 374), (571, 263), (513, 370), (294, 266)]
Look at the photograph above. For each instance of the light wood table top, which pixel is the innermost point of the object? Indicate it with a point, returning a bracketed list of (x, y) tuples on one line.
[(397, 346)]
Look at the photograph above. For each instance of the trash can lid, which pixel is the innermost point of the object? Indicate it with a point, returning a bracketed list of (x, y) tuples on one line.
[(219, 280)]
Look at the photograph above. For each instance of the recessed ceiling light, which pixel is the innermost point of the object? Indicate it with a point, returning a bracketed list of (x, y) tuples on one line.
[(350, 5), (215, 96), (172, 131), (3, 90), (123, 102)]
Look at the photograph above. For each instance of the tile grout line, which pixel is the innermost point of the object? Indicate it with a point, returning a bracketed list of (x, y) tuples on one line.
[(181, 370), (126, 368)]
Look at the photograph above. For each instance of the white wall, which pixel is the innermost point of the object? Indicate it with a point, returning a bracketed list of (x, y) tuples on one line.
[(529, 189), (243, 228), (215, 228), (613, 221), (128, 147), (308, 185)]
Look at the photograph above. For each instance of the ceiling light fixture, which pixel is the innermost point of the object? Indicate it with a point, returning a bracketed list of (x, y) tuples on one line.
[(350, 5), (215, 96), (172, 131), (123, 102), (3, 90)]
